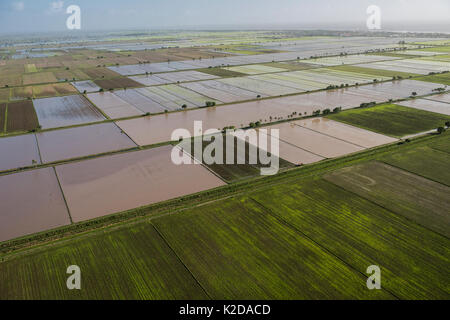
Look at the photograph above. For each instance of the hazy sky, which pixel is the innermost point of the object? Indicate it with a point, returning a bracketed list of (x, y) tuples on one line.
[(48, 15)]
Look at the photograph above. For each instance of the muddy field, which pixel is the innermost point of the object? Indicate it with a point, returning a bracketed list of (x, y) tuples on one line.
[(24, 210), (102, 186), (65, 111), (354, 135), (117, 83), (21, 117), (82, 141)]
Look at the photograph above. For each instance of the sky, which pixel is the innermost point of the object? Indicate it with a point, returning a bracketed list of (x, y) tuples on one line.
[(18, 16)]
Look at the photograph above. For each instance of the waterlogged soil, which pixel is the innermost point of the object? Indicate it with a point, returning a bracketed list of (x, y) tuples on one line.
[(82, 141), (18, 152), (107, 185), (30, 202), (357, 136)]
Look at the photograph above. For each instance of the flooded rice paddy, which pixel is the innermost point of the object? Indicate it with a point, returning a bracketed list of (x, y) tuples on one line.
[(30, 202), (428, 105), (106, 185), (82, 141), (65, 111), (19, 151)]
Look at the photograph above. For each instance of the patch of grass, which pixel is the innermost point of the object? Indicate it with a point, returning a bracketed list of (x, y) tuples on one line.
[(438, 49), (362, 234), (30, 68), (391, 119), (237, 250), (373, 72), (224, 73), (132, 263), (418, 199)]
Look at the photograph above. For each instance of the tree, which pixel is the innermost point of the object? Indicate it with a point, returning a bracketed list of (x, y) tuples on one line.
[(441, 130), (447, 124)]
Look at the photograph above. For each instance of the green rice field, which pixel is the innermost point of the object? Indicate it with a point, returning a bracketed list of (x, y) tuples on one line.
[(391, 119)]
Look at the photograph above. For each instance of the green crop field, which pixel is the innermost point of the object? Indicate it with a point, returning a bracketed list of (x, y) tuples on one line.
[(427, 162), (133, 263), (421, 200), (238, 250), (361, 234), (443, 78), (373, 72), (391, 119), (443, 144)]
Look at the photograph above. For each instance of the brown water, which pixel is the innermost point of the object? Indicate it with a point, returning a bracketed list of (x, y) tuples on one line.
[(360, 137), (18, 151), (107, 185), (82, 141), (314, 142), (30, 202)]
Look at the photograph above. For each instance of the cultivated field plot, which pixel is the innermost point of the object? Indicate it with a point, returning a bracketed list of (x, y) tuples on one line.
[(38, 77), (442, 78), (428, 105), (430, 163), (241, 167), (222, 91), (21, 93), (2, 117), (441, 98), (87, 86), (142, 68), (99, 73), (258, 87), (362, 233), (107, 185), (146, 268), (373, 72), (35, 203), (140, 101), (52, 90), (391, 119), (255, 256), (418, 66), (174, 77), (351, 59), (314, 142), (5, 94), (65, 111), (288, 151), (174, 97), (21, 116), (416, 198), (117, 83), (18, 152), (255, 69), (82, 141), (354, 135), (114, 107)]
